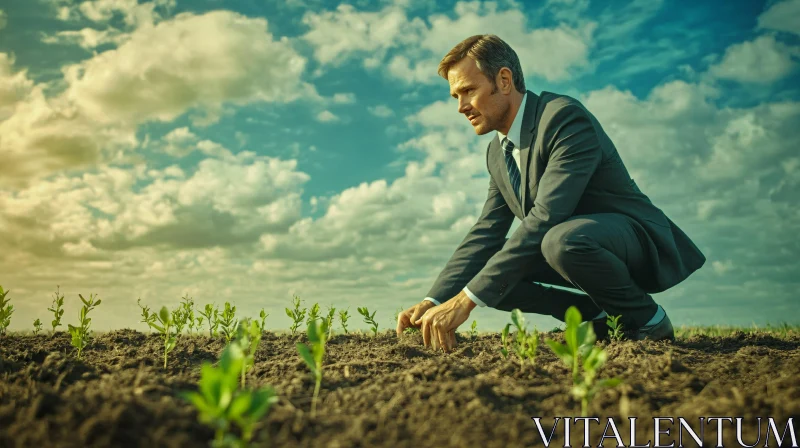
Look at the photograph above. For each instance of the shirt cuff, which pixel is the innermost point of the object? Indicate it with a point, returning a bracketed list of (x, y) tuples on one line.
[(431, 299), (473, 297)]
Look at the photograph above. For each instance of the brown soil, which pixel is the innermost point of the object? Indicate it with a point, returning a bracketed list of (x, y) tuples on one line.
[(390, 392)]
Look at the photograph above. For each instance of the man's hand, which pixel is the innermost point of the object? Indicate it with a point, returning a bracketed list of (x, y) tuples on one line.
[(408, 317), (439, 324)]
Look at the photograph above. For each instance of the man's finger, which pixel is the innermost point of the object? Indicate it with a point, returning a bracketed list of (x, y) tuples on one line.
[(402, 322), (441, 335), (426, 332), (452, 339), (416, 315)]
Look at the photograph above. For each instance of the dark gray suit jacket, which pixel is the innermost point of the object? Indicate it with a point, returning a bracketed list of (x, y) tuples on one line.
[(569, 167)]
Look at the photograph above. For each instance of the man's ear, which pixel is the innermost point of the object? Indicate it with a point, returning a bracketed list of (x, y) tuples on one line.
[(505, 81)]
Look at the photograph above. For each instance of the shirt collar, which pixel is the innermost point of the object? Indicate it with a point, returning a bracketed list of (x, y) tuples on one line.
[(515, 133)]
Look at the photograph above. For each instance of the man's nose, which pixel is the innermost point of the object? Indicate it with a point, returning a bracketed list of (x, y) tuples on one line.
[(463, 107)]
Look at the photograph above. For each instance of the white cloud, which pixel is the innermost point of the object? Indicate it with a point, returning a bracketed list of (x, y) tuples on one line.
[(190, 63), (344, 98), (88, 38), (14, 87), (340, 35), (381, 110), (326, 116), (781, 16), (3, 19), (763, 60)]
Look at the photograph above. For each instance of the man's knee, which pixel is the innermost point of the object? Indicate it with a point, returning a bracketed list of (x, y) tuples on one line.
[(563, 241)]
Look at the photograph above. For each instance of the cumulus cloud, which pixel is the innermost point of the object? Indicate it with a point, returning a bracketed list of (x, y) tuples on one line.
[(221, 57), (782, 16), (87, 38), (326, 116), (381, 110), (762, 60), (412, 48)]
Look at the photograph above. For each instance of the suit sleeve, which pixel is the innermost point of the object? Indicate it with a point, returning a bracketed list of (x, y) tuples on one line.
[(484, 239), (574, 154)]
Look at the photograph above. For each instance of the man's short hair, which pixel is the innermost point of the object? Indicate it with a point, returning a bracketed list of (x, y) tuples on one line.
[(490, 54)]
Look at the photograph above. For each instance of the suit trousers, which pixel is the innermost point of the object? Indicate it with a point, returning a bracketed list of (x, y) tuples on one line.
[(601, 255)]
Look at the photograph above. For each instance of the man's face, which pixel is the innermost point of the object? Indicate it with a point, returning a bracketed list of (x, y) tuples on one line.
[(485, 110)]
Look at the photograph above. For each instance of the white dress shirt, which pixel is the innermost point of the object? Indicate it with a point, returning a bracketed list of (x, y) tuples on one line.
[(515, 136)]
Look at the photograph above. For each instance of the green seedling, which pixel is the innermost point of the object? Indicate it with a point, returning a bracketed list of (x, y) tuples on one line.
[(187, 305), (343, 316), (329, 321), (369, 319), (37, 327), (220, 404), (313, 314), (57, 309), (473, 330), (616, 333), (81, 334), (263, 315), (147, 316), (179, 319), (580, 340), (313, 356), (163, 326), (6, 310), (198, 323), (411, 330), (228, 322), (297, 315), (524, 344), (248, 336), (210, 313)]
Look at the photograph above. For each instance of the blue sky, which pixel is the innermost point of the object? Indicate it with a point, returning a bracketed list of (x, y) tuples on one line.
[(249, 151)]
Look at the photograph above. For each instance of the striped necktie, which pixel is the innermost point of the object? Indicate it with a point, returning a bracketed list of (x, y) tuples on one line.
[(511, 164)]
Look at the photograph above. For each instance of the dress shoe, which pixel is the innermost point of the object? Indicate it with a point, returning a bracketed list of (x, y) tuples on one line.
[(657, 332)]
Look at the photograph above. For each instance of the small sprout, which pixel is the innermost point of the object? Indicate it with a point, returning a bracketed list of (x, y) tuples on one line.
[(313, 356), (411, 330), (219, 403), (6, 309), (580, 340), (473, 331), (263, 315), (369, 319), (343, 316), (313, 314), (297, 315), (163, 326), (616, 333), (188, 312), (37, 327), (329, 321), (81, 334), (524, 344), (248, 336), (198, 323), (57, 309), (228, 322), (179, 319), (211, 315), (147, 316)]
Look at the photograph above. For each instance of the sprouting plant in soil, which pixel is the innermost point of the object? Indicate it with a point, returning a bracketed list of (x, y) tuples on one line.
[(524, 344), (343, 316), (228, 322), (147, 316), (248, 336), (57, 308), (296, 314), (329, 321), (580, 340), (210, 313), (615, 333), (187, 305), (6, 310), (263, 315), (179, 319), (81, 333), (313, 356), (220, 403), (369, 319), (37, 326), (473, 330), (164, 326), (313, 314)]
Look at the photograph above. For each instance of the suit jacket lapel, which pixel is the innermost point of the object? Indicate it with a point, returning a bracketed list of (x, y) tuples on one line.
[(528, 126)]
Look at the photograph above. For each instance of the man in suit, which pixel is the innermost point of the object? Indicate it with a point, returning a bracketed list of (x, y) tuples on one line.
[(585, 222)]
